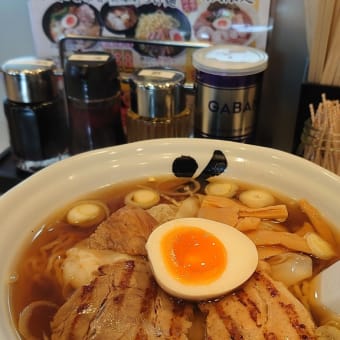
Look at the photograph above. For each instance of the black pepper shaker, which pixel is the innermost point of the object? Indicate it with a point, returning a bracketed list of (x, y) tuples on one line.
[(92, 88), (35, 113)]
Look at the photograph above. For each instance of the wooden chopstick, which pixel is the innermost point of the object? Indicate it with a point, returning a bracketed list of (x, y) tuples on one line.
[(325, 10), (329, 75), (323, 141), (310, 8)]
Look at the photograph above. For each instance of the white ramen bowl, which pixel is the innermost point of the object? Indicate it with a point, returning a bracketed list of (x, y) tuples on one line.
[(28, 204)]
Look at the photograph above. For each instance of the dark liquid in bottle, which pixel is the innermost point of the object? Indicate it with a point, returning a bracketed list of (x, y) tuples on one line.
[(37, 131), (95, 124)]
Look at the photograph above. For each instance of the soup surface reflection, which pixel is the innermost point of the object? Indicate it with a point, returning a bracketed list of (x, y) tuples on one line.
[(56, 261)]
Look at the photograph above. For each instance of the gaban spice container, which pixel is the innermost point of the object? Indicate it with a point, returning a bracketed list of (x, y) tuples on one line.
[(227, 83)]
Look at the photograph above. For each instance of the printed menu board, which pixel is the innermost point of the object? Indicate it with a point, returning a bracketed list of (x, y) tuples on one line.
[(243, 22), (143, 33)]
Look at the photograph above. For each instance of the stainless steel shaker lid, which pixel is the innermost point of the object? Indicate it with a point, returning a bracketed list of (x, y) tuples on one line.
[(30, 80), (157, 92)]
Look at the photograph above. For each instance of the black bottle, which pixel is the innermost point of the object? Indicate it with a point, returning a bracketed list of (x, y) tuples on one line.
[(35, 113), (92, 88)]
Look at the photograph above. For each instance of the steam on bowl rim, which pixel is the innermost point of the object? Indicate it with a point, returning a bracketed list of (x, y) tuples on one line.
[(26, 205)]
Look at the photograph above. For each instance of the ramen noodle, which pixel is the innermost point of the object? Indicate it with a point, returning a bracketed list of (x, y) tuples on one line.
[(157, 22)]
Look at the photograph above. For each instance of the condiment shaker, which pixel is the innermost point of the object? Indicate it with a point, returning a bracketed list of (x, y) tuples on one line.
[(228, 81), (158, 105), (92, 87), (35, 112)]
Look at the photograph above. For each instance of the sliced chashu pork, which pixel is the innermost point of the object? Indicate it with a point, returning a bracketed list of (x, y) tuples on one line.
[(123, 302), (261, 309), (125, 231)]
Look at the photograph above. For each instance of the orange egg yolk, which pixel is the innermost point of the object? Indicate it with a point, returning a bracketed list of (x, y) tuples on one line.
[(193, 255)]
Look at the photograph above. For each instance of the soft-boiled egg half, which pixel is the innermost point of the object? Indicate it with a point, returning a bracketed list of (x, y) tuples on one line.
[(200, 259)]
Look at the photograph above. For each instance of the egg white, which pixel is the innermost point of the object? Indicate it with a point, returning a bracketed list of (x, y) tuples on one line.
[(242, 260)]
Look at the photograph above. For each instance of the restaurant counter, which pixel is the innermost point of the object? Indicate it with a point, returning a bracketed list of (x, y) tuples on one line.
[(9, 174)]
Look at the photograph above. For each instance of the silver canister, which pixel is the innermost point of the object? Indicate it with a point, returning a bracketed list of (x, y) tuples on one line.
[(158, 105), (30, 80), (227, 85)]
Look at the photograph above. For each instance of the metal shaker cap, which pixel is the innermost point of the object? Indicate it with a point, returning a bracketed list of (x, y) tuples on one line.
[(157, 92), (30, 80)]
